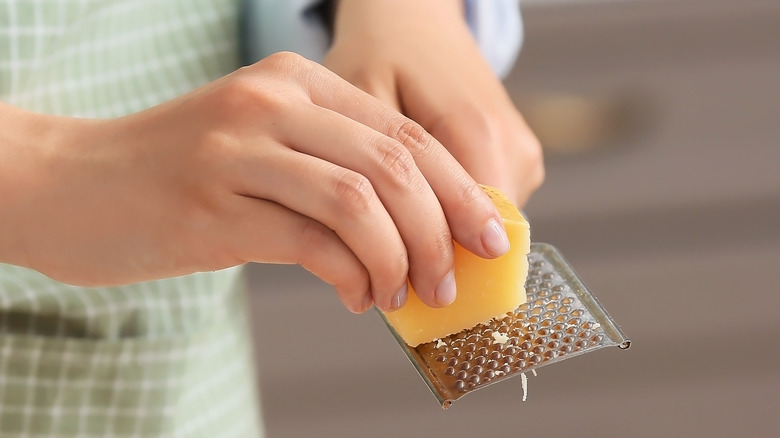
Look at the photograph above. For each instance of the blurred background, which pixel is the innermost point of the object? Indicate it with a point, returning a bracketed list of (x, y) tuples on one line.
[(661, 123)]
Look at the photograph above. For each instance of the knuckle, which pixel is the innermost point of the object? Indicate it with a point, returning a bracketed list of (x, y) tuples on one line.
[(396, 161), (440, 247), (246, 91), (470, 194), (237, 91), (284, 61), (414, 137), (292, 65), (353, 193)]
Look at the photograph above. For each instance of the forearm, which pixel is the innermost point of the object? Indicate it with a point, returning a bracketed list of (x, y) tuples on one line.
[(396, 18), (28, 151), (22, 143)]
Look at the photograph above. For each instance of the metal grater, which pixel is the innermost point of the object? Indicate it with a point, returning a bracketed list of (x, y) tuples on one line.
[(560, 320)]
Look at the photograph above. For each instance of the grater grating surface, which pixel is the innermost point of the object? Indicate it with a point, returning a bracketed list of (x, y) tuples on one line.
[(560, 320)]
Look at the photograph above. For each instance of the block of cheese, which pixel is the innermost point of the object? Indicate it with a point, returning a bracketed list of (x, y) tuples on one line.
[(487, 288)]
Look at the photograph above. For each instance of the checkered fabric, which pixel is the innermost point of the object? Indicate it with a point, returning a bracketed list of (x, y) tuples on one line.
[(167, 358)]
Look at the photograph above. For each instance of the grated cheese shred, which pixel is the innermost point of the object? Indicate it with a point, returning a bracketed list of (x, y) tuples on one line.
[(524, 384), (500, 338)]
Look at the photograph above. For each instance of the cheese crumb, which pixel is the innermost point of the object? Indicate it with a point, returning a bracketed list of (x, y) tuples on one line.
[(534, 371), (500, 338), (596, 326), (524, 383), (439, 343)]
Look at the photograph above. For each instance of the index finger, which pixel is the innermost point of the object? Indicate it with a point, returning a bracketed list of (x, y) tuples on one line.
[(473, 219), (468, 209)]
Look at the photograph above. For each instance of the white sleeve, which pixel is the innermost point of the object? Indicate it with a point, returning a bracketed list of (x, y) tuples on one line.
[(498, 28), (269, 26)]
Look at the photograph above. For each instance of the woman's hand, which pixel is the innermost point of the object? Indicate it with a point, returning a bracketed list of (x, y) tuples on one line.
[(420, 57), (280, 162)]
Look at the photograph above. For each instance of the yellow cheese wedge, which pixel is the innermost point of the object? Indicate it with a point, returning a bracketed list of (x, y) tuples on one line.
[(487, 288)]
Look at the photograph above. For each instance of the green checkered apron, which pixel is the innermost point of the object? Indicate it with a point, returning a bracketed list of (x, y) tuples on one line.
[(166, 358)]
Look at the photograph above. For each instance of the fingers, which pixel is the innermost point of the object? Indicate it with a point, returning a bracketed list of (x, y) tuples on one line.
[(345, 202), (401, 187), (394, 164), (472, 218), (266, 232)]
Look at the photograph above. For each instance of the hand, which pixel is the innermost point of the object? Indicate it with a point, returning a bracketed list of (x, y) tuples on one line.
[(420, 58), (280, 162)]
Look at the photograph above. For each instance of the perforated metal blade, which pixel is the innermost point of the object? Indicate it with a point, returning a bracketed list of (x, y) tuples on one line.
[(560, 320)]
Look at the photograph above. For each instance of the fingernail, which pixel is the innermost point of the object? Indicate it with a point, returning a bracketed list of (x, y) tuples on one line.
[(495, 239), (399, 299), (445, 292)]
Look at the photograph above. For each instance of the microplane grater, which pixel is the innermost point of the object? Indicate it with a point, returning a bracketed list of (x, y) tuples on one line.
[(561, 319)]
